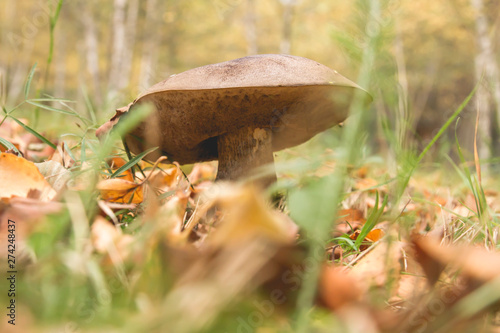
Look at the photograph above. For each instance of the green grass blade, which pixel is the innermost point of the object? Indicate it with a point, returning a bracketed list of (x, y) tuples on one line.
[(90, 108), (52, 99), (474, 184), (371, 222), (83, 151), (166, 195), (8, 145), (50, 108), (130, 120), (68, 150), (441, 131), (347, 240), (132, 162), (35, 133), (28, 81)]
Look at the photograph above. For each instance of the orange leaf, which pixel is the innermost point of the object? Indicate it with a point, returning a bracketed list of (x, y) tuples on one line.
[(118, 162), (337, 288), (372, 236), (350, 215), (365, 183), (120, 190), (19, 177)]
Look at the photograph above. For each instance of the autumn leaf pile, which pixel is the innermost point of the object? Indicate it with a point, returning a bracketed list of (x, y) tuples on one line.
[(186, 251)]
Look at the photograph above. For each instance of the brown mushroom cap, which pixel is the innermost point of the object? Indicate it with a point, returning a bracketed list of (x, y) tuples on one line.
[(295, 97)]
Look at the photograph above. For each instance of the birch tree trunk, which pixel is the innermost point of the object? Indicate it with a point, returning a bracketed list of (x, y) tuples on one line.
[(60, 60), (251, 28), (92, 51), (149, 56), (9, 11), (118, 47), (286, 40), (20, 61), (486, 68), (130, 32)]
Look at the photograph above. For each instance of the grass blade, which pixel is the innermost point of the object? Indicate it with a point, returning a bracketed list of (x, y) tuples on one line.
[(8, 145), (50, 108), (480, 205), (68, 150), (52, 99), (35, 133), (371, 222), (132, 162), (28, 81), (441, 131)]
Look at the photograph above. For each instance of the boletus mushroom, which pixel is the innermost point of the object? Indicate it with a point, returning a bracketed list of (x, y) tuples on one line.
[(240, 111)]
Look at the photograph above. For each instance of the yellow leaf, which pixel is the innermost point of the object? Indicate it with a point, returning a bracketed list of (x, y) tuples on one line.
[(20, 177), (245, 216), (120, 190)]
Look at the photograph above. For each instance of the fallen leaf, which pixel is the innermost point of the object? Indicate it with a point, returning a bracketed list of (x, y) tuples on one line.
[(246, 216), (117, 162), (19, 176), (57, 175), (119, 190), (109, 239), (337, 288), (373, 236), (348, 221), (165, 178), (350, 215), (25, 214), (474, 262), (365, 183), (378, 266), (202, 172)]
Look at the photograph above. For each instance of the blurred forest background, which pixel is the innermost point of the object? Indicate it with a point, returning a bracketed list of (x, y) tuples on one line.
[(429, 56)]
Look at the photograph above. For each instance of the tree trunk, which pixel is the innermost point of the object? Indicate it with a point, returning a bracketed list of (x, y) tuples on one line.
[(60, 60), (19, 60), (487, 69), (118, 48), (130, 32), (92, 51), (250, 28), (286, 40), (149, 56)]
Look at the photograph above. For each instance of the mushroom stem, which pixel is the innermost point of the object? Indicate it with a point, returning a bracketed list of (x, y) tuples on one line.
[(242, 151)]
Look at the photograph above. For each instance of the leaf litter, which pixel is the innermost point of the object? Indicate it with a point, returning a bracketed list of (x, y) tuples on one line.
[(224, 241)]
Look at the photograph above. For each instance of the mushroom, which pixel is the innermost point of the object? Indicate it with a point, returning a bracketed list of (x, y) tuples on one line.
[(240, 111)]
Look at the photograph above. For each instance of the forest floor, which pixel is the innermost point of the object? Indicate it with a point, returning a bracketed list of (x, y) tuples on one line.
[(95, 242)]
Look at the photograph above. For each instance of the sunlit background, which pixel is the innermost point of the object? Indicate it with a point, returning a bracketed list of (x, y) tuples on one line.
[(171, 250), (428, 52)]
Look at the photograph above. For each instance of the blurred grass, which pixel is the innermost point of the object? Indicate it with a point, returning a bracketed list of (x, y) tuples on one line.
[(75, 291)]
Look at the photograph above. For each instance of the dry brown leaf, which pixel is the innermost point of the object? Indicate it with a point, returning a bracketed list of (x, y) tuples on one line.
[(57, 175), (373, 236), (202, 172), (348, 221), (164, 179), (350, 215), (106, 238), (19, 176), (117, 162), (474, 262), (362, 172), (246, 216), (378, 265), (119, 190), (26, 214), (337, 288), (365, 183), (434, 197)]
